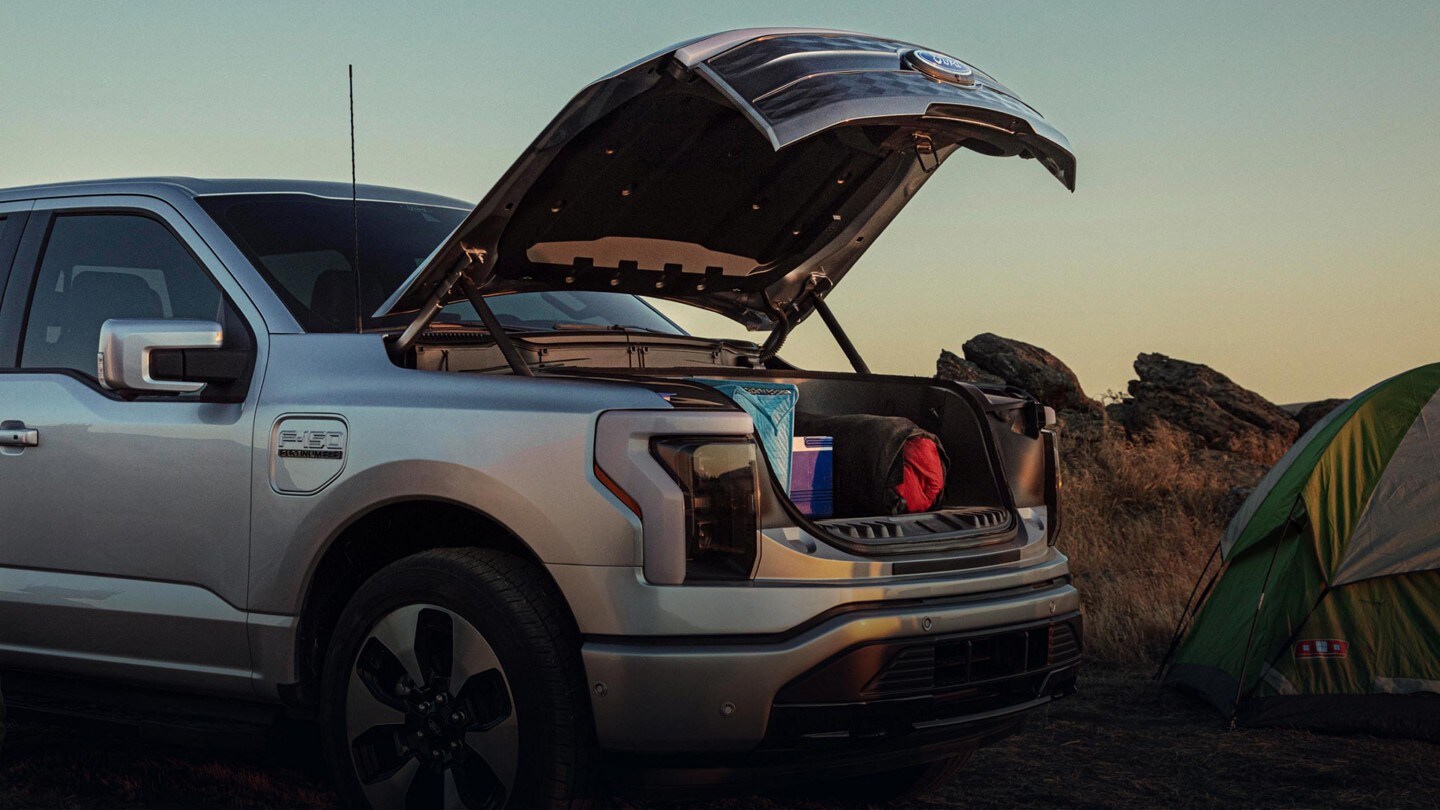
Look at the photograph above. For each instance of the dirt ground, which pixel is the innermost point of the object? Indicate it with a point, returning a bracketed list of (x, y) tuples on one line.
[(1121, 742)]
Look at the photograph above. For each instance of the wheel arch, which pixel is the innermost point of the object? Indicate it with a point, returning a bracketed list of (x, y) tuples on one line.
[(370, 540)]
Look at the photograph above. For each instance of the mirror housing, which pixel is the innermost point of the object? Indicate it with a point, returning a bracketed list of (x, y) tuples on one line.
[(126, 357)]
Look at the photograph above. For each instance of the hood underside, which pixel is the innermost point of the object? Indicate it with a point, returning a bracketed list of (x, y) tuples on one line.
[(743, 173)]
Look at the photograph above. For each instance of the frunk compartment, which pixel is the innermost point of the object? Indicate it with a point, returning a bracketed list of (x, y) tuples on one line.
[(883, 465), (977, 507)]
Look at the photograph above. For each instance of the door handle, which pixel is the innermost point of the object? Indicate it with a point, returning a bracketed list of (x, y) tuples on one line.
[(15, 434)]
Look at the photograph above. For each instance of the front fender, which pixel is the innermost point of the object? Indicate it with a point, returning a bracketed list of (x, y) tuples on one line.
[(550, 502)]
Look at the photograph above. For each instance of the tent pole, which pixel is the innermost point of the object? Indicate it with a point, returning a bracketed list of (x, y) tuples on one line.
[(1185, 614), (1259, 603)]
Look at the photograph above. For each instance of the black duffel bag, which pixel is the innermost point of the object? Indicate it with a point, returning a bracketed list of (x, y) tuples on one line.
[(869, 462)]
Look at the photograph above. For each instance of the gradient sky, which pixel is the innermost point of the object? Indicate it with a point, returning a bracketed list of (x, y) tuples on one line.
[(1257, 186)]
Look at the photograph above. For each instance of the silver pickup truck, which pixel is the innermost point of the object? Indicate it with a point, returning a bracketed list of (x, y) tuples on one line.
[(439, 478)]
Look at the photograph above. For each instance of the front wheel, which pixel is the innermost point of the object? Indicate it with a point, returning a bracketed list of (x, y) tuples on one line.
[(453, 680)]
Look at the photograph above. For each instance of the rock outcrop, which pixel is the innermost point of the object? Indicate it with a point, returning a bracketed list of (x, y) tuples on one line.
[(1219, 414), (1315, 411), (955, 368), (1031, 368), (1121, 413)]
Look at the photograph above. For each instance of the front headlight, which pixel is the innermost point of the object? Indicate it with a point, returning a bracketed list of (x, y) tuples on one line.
[(720, 481)]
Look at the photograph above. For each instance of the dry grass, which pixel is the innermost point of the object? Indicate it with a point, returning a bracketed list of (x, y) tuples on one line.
[(1141, 517)]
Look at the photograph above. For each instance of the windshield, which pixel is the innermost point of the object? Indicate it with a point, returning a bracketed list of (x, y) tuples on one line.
[(304, 246)]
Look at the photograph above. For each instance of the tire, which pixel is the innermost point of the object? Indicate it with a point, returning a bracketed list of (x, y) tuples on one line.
[(454, 679), (899, 786)]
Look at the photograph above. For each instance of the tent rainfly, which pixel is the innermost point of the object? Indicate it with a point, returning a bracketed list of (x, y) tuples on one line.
[(1326, 611)]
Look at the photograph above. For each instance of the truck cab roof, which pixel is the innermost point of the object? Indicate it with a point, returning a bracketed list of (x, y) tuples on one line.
[(191, 187)]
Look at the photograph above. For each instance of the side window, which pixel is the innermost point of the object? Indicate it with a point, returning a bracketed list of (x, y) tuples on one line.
[(101, 266)]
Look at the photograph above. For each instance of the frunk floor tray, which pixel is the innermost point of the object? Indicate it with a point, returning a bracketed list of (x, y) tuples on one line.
[(984, 525)]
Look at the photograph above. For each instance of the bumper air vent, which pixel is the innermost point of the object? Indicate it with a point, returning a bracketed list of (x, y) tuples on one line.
[(1064, 644), (912, 670)]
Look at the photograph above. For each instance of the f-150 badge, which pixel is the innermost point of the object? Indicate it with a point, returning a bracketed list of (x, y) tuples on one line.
[(307, 453), (312, 444)]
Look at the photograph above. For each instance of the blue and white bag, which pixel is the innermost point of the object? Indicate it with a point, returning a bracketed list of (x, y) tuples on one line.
[(772, 407)]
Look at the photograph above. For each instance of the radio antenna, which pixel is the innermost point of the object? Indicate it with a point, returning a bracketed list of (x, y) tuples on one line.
[(355, 209)]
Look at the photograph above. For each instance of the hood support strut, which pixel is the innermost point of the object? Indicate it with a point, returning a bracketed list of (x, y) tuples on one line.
[(436, 302), (492, 325), (851, 353), (431, 307)]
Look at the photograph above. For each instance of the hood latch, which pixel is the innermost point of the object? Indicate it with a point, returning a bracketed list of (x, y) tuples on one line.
[(925, 152)]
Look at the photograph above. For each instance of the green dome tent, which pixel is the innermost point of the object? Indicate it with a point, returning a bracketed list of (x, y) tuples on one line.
[(1326, 611)]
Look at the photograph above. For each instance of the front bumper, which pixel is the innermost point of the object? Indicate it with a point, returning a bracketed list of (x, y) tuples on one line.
[(864, 674), (687, 775)]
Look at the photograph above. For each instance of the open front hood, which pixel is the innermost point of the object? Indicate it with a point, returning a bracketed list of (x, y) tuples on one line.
[(744, 172)]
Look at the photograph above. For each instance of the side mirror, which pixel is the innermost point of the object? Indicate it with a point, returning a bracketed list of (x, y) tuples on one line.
[(130, 351)]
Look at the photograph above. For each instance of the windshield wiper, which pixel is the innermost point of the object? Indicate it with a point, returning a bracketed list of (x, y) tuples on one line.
[(468, 324), (613, 327)]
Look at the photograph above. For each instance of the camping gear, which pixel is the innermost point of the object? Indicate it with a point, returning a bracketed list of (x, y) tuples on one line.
[(812, 475), (924, 477), (772, 407), (883, 465), (1326, 612)]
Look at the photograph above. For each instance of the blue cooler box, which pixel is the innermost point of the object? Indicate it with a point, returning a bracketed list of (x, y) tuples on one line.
[(812, 475)]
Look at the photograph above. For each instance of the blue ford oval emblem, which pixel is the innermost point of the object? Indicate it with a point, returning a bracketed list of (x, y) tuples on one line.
[(942, 67)]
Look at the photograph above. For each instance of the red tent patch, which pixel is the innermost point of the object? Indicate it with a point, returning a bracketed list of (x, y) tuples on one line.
[(1322, 648)]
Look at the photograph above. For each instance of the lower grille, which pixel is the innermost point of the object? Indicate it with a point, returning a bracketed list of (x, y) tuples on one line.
[(920, 686), (952, 664), (939, 687), (944, 666)]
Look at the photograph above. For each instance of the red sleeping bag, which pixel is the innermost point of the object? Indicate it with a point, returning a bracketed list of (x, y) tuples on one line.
[(924, 475)]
